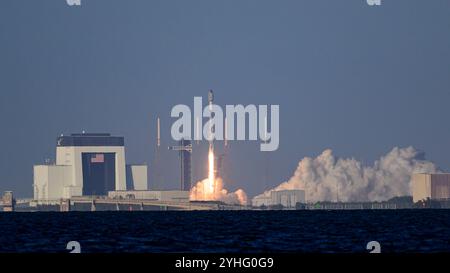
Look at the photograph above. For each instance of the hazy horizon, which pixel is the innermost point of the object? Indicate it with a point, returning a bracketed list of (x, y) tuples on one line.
[(356, 79)]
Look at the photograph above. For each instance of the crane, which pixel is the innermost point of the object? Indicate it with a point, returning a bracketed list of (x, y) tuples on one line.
[(185, 149)]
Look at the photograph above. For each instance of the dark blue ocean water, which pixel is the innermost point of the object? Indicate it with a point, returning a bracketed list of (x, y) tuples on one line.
[(227, 231)]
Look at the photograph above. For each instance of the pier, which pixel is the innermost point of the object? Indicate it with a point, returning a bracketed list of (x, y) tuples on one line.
[(94, 204)]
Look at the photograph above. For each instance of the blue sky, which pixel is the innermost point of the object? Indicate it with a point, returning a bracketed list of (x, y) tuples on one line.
[(357, 79)]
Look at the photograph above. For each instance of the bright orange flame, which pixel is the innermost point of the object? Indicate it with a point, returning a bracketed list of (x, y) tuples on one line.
[(212, 188), (209, 184), (211, 178)]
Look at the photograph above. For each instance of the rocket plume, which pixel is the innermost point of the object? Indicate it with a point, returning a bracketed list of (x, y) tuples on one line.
[(327, 178), (212, 188), (211, 178), (200, 192)]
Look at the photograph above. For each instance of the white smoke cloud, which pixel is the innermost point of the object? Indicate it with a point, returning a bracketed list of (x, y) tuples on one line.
[(200, 193), (326, 178)]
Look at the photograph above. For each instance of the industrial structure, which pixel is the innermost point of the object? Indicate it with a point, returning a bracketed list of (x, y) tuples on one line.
[(137, 177), (285, 198), (185, 150), (8, 201), (90, 174), (87, 165), (433, 186)]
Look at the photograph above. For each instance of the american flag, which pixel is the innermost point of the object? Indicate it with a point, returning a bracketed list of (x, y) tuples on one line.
[(98, 158)]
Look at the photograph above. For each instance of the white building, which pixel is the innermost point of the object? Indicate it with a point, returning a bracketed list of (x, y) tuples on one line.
[(136, 177), (86, 164), (431, 185), (53, 182), (286, 198)]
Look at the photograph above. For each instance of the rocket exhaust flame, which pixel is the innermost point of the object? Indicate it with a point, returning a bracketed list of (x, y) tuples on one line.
[(211, 178), (202, 192), (211, 188)]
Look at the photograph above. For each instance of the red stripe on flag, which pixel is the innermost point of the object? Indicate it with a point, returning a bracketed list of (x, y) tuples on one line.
[(98, 158)]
